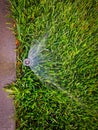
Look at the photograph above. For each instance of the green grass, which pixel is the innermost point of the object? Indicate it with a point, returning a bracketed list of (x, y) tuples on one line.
[(72, 26)]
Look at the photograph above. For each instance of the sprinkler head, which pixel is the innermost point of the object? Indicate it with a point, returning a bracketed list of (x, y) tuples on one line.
[(27, 62)]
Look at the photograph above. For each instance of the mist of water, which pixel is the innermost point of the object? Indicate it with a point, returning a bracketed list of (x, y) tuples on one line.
[(42, 62)]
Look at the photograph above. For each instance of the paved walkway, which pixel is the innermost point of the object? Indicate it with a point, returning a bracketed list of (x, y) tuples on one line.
[(7, 69)]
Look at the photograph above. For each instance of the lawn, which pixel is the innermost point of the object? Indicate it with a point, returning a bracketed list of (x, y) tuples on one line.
[(62, 93)]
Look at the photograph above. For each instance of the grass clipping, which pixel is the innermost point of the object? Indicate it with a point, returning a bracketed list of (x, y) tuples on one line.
[(73, 41)]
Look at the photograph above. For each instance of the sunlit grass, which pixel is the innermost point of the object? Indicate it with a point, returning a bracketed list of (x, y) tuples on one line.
[(73, 39)]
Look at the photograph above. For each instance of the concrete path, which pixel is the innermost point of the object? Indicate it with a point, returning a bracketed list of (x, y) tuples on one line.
[(7, 69)]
